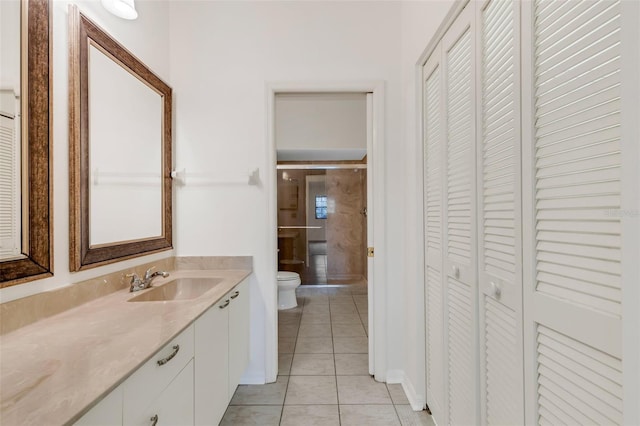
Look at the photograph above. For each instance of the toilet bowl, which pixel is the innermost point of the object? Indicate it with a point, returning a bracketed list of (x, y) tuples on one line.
[(287, 284)]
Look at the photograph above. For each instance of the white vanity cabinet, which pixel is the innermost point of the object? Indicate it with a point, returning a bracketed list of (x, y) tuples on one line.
[(191, 379), (221, 354)]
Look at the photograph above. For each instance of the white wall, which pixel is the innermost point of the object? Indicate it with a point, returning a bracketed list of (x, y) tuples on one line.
[(148, 39), (420, 21), (309, 123), (222, 56)]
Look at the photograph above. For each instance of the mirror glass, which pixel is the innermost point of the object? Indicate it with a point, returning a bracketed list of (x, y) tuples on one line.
[(125, 154), (10, 132), (120, 151), (25, 142)]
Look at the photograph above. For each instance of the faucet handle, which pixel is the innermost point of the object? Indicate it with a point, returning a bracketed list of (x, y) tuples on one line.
[(147, 274), (135, 282)]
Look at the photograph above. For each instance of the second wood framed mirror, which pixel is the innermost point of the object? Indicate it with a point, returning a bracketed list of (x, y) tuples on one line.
[(26, 221), (120, 151)]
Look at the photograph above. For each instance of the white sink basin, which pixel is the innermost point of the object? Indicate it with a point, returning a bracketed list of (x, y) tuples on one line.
[(179, 289)]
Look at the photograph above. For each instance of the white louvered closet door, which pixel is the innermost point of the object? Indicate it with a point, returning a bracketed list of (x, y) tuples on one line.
[(433, 211), (572, 169), (499, 211), (459, 219), (10, 245)]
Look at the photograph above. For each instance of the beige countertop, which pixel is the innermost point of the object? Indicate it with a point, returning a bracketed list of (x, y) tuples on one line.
[(54, 370)]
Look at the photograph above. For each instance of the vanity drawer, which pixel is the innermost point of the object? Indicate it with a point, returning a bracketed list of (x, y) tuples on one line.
[(155, 375), (172, 407)]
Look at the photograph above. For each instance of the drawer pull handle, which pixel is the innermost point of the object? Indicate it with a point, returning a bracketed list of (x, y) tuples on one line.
[(154, 420), (236, 294), (163, 361), (226, 303)]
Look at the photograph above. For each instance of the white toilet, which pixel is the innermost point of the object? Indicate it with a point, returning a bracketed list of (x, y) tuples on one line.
[(287, 284)]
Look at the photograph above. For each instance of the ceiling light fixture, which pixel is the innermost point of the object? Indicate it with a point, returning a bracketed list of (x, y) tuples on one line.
[(125, 9)]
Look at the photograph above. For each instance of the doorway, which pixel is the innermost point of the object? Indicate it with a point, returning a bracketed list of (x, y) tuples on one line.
[(376, 316)]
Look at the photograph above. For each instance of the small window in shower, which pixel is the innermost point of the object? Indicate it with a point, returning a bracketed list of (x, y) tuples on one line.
[(321, 206)]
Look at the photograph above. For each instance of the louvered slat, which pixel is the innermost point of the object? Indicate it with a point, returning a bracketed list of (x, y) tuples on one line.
[(459, 146), (585, 275), (578, 152), (584, 384), (579, 262)]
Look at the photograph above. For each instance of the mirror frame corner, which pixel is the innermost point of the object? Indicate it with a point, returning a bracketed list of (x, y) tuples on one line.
[(38, 260), (81, 254)]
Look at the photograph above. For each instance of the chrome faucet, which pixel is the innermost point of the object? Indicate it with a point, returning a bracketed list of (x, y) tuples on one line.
[(138, 283)]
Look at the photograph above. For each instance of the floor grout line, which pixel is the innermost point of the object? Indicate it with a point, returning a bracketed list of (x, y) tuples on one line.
[(335, 367)]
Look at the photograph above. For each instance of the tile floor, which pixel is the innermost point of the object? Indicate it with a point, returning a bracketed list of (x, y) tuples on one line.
[(323, 370)]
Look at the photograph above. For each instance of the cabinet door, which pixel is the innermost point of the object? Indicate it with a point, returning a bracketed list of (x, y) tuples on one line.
[(499, 210), (212, 364), (107, 412), (459, 219), (174, 406), (238, 334)]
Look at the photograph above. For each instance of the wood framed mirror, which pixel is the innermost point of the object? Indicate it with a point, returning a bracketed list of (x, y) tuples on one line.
[(33, 250), (120, 151)]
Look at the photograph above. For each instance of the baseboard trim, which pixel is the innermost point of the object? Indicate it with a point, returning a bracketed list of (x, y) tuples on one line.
[(418, 401), (254, 378)]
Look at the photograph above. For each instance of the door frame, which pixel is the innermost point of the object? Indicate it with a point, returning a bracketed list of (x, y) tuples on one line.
[(375, 206)]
